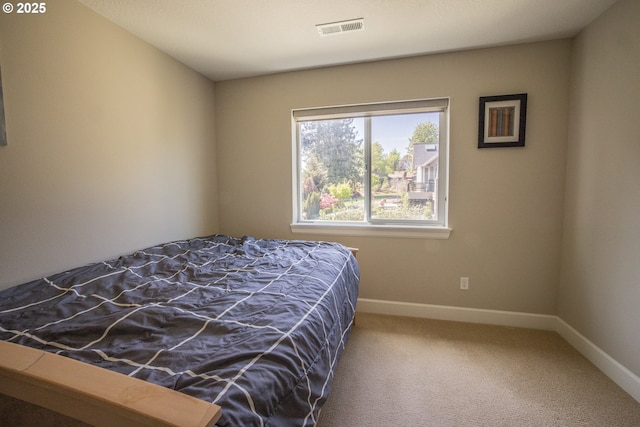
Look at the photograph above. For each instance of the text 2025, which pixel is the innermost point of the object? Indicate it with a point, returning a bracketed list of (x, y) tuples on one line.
[(31, 7)]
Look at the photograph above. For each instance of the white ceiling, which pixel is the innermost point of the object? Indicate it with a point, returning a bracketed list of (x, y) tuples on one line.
[(226, 39)]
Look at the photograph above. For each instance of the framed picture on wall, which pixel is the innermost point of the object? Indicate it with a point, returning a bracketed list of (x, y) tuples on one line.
[(502, 121)]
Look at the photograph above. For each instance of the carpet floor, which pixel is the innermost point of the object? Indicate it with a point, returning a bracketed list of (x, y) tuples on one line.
[(399, 371)]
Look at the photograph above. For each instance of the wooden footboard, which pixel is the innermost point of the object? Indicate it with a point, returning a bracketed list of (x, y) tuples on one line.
[(94, 395)]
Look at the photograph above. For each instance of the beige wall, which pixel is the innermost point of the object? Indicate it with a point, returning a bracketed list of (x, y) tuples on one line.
[(600, 285), (111, 144), (505, 204)]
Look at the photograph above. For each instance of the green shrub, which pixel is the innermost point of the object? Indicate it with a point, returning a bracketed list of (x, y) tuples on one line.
[(341, 191), (311, 206)]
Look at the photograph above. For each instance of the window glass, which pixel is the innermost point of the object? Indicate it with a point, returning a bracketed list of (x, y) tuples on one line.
[(372, 164), (404, 166)]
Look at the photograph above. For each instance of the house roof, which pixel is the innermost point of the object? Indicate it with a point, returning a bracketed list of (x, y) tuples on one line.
[(424, 153)]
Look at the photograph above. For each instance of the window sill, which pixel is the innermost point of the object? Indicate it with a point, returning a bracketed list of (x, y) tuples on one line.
[(369, 230)]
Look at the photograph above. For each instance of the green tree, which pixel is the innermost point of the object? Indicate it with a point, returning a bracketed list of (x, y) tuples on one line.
[(334, 144), (314, 176), (383, 164), (393, 161), (311, 205), (424, 132), (379, 166), (378, 160)]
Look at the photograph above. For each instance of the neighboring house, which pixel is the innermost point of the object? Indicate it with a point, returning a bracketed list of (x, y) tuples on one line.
[(398, 180), (425, 165)]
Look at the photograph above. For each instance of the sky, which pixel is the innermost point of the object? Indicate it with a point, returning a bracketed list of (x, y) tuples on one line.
[(395, 131)]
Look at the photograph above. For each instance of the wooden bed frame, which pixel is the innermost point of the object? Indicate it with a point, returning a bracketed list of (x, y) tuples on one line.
[(97, 396)]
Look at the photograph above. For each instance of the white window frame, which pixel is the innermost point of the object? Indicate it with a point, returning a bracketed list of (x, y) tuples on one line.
[(376, 227)]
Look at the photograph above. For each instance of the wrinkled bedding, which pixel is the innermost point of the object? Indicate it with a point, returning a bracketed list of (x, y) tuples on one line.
[(255, 326)]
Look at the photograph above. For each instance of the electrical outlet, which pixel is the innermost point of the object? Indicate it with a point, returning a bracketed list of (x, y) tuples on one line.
[(464, 283)]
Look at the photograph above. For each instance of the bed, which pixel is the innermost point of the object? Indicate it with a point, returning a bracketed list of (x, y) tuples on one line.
[(254, 326)]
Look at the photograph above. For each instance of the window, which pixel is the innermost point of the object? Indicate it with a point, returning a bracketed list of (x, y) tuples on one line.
[(368, 169)]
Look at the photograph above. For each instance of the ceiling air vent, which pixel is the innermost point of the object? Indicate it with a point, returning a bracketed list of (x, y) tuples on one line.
[(340, 27)]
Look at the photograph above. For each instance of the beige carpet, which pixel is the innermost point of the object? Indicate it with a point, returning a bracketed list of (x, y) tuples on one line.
[(400, 371)]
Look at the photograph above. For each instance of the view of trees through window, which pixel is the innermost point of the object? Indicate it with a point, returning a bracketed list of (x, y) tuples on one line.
[(383, 167)]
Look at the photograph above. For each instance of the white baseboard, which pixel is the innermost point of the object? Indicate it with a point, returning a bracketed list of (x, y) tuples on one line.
[(626, 379), (622, 376), (458, 314)]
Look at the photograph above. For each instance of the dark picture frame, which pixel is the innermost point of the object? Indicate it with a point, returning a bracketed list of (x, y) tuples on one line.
[(502, 121)]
